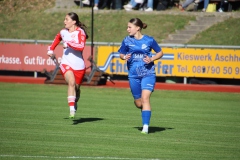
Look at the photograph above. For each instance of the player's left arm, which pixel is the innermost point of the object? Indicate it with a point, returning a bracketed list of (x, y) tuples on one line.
[(79, 44), (158, 50), (157, 56)]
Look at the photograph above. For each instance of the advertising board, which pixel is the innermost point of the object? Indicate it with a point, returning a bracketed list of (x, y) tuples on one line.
[(179, 62), (31, 57)]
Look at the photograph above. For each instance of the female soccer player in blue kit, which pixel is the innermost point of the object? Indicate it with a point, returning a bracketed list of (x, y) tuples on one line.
[(136, 50)]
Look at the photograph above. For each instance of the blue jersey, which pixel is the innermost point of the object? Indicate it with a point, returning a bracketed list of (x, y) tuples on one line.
[(139, 48)]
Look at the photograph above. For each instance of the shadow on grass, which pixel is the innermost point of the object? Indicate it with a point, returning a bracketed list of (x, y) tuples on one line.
[(83, 120), (154, 129)]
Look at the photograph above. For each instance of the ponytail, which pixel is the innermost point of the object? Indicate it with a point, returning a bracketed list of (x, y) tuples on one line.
[(74, 17), (83, 27)]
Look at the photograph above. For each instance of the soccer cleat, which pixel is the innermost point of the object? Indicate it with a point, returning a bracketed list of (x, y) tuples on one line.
[(143, 132), (72, 114), (145, 129)]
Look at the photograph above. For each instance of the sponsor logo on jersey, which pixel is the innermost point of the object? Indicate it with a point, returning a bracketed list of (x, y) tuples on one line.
[(144, 46), (138, 56)]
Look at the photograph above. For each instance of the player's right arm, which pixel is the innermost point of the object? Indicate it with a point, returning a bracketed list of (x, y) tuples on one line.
[(125, 56), (54, 44), (123, 52)]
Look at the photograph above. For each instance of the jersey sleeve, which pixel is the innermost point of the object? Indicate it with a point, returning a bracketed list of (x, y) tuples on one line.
[(155, 46), (79, 46), (123, 48), (55, 42)]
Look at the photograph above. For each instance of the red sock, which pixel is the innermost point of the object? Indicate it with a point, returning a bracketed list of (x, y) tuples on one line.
[(71, 100)]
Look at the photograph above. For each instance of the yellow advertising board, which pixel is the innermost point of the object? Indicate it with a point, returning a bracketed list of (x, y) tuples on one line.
[(179, 62)]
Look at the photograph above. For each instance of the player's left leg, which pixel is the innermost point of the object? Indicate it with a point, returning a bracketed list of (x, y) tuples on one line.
[(146, 110), (79, 75), (147, 86), (78, 91)]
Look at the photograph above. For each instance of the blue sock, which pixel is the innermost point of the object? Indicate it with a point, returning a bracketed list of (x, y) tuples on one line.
[(146, 115)]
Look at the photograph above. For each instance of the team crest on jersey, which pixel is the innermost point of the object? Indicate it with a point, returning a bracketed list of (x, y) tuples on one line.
[(144, 46), (73, 35)]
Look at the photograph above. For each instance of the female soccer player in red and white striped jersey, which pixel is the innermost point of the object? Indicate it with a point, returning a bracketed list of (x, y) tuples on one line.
[(72, 65)]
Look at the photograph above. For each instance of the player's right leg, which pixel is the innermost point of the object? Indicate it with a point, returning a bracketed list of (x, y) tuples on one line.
[(69, 77), (68, 74), (138, 103), (135, 86)]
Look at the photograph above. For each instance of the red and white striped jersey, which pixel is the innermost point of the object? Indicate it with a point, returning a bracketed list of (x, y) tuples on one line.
[(75, 41)]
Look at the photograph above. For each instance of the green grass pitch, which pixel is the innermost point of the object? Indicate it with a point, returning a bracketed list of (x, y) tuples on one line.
[(189, 125)]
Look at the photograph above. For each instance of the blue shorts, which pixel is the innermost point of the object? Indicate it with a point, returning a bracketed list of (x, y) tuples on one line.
[(142, 83)]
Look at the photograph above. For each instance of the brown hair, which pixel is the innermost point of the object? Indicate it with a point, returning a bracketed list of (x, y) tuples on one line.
[(138, 22), (74, 17)]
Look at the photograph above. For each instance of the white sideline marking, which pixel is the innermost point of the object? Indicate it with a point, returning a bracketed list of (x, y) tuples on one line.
[(75, 157)]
